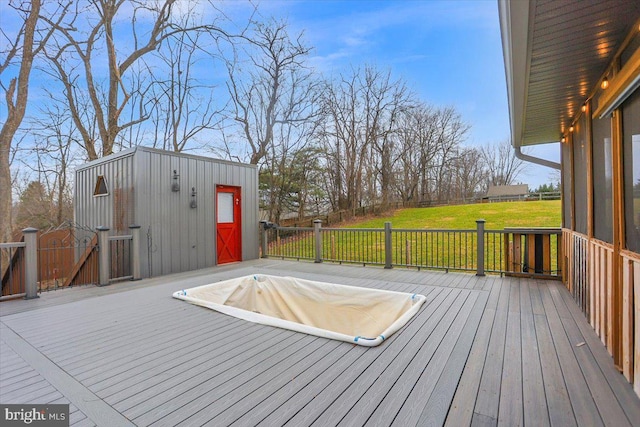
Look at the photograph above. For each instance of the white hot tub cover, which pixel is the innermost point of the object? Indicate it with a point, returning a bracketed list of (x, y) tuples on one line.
[(358, 315)]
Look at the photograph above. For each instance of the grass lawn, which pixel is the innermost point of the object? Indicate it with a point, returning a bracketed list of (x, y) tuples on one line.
[(496, 215)]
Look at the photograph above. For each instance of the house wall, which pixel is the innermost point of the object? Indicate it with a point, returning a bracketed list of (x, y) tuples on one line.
[(602, 264)]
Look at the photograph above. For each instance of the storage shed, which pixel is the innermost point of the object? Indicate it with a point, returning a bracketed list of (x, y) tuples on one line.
[(194, 211)]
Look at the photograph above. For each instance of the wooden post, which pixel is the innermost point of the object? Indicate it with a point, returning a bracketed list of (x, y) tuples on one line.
[(104, 256), (517, 253), (508, 251), (31, 262), (618, 233), (135, 252)]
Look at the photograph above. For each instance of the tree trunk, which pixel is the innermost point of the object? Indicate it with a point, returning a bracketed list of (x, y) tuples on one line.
[(14, 118)]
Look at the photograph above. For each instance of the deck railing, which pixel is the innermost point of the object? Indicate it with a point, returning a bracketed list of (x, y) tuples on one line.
[(24, 266), (530, 252), (120, 248)]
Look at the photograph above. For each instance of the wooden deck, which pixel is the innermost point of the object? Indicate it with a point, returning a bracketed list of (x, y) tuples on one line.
[(482, 351)]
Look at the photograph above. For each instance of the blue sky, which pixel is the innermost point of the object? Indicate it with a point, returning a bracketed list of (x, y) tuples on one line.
[(449, 53)]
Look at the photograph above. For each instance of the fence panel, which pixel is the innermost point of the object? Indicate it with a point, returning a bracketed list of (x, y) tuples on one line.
[(120, 247), (355, 246), (436, 249), (66, 260), (12, 269), (290, 242)]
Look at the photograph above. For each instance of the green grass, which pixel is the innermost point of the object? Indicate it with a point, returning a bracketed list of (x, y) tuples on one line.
[(496, 215)]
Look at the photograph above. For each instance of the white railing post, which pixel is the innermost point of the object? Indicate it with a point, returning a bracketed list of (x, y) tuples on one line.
[(104, 256), (31, 262), (388, 260), (480, 248), (317, 225), (135, 252)]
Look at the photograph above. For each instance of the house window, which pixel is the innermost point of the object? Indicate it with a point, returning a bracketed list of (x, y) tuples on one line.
[(580, 175), (101, 188), (602, 180), (631, 159), (225, 208)]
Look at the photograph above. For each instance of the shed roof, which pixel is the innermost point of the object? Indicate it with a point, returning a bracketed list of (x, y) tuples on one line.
[(132, 151), (507, 190)]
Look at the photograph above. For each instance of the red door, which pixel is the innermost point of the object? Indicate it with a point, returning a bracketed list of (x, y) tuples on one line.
[(229, 220)]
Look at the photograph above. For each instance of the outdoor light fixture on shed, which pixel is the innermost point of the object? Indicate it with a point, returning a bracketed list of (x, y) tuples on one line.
[(176, 185), (194, 202)]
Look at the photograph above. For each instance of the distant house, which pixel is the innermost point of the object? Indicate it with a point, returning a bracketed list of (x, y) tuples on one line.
[(502, 193)]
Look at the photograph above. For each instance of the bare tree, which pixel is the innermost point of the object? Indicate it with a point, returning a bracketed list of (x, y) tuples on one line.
[(182, 111), (450, 132), (429, 153), (470, 173), (276, 91), (360, 115), (384, 101), (77, 58), (26, 45), (273, 105), (53, 152), (503, 166), (416, 149)]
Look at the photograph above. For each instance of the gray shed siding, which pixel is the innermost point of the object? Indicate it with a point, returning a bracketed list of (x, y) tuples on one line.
[(116, 209), (190, 242), (175, 237)]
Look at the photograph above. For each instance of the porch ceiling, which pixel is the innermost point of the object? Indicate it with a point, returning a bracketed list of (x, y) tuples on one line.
[(554, 53)]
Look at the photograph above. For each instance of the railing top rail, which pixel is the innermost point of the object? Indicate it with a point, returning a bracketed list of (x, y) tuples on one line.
[(506, 230), (10, 245), (533, 230), (379, 230), (294, 228), (123, 237), (434, 230)]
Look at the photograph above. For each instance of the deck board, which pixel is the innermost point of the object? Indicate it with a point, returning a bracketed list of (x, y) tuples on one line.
[(584, 408), (437, 408), (461, 409), (535, 410), (482, 351), (510, 412), (488, 398), (608, 406)]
